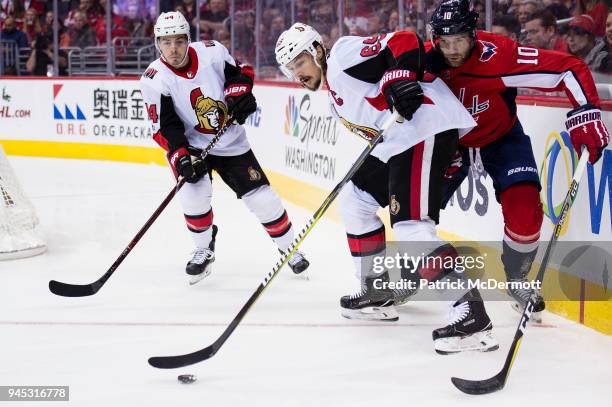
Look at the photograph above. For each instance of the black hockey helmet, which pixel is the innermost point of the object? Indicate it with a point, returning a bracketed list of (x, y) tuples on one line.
[(453, 17)]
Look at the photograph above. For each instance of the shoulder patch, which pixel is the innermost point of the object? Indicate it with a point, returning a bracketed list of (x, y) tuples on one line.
[(150, 73), (488, 50), (208, 43)]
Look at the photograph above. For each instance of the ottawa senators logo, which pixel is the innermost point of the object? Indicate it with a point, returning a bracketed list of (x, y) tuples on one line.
[(211, 114), (254, 175), (394, 206), (365, 133)]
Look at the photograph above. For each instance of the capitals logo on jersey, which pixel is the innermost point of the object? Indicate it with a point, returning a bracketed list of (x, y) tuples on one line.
[(488, 50), (211, 114)]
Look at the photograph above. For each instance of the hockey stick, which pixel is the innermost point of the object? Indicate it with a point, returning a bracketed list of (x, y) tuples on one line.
[(172, 362), (498, 381), (84, 290)]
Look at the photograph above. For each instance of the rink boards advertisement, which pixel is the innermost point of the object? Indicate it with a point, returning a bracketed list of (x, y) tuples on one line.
[(305, 151)]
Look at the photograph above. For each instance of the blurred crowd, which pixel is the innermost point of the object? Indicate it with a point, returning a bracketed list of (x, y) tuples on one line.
[(580, 27)]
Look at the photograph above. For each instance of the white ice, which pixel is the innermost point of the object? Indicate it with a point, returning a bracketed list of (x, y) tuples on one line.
[(292, 349)]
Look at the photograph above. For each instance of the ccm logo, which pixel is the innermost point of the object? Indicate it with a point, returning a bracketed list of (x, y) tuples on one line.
[(236, 90)]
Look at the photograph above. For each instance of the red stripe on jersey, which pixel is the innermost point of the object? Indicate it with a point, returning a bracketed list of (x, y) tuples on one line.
[(401, 42), (415, 181), (161, 140), (368, 243), (199, 223), (279, 226)]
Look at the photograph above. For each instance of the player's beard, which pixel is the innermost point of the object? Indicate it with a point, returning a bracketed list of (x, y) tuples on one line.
[(309, 79), (456, 60)]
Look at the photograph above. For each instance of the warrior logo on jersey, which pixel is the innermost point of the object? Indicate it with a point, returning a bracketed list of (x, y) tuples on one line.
[(362, 131), (488, 50), (211, 114)]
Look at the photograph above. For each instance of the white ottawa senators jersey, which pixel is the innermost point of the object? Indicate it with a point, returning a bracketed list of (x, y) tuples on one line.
[(186, 106), (355, 68)]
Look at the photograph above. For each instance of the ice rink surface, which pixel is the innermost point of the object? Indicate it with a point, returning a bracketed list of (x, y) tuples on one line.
[(292, 349)]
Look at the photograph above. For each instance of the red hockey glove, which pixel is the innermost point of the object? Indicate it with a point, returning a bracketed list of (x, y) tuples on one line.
[(188, 167), (585, 127), (402, 91)]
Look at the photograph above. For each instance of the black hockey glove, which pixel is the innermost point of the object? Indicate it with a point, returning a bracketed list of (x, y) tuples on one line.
[(191, 167), (402, 92), (239, 97)]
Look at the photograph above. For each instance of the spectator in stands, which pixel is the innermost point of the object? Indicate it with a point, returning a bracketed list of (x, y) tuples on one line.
[(606, 63), (376, 24), (410, 24), (31, 24), (272, 32), (581, 41), (119, 27), (526, 9), (47, 26), (212, 17), (507, 25), (12, 33), (244, 30), (541, 31), (557, 8), (40, 61), (323, 16), (598, 10), (89, 9), (224, 37), (14, 8), (80, 34), (479, 7), (393, 23)]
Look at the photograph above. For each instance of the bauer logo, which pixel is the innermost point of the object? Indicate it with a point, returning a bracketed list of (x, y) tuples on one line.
[(65, 110)]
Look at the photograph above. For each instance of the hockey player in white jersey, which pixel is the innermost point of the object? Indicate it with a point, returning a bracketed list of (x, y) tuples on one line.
[(365, 78), (190, 92)]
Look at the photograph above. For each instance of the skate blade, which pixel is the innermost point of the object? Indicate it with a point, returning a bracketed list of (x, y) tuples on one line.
[(199, 277), (372, 313), (479, 341), (536, 317)]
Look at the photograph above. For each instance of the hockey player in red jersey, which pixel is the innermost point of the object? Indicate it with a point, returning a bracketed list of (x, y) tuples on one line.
[(190, 92), (484, 70), (365, 78)]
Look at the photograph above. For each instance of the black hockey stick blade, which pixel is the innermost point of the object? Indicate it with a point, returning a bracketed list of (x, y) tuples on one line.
[(174, 362), (476, 387), (73, 290)]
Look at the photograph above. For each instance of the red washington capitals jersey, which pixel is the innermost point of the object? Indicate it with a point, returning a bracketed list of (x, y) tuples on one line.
[(486, 83)]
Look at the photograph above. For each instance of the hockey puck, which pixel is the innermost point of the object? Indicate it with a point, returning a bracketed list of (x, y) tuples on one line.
[(187, 378)]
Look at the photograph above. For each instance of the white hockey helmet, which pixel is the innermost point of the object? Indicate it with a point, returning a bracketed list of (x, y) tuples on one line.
[(291, 43), (171, 23)]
